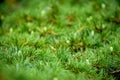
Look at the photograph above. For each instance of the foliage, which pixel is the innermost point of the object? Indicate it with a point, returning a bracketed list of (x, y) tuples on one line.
[(60, 40)]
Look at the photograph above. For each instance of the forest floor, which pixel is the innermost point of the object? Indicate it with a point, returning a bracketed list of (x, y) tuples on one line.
[(60, 40)]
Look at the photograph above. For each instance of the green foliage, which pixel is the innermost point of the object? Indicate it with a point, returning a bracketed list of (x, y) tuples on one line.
[(60, 40)]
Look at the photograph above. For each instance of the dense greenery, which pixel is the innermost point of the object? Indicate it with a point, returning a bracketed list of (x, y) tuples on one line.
[(60, 40)]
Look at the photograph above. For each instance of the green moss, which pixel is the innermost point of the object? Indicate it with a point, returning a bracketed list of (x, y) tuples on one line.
[(60, 40)]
